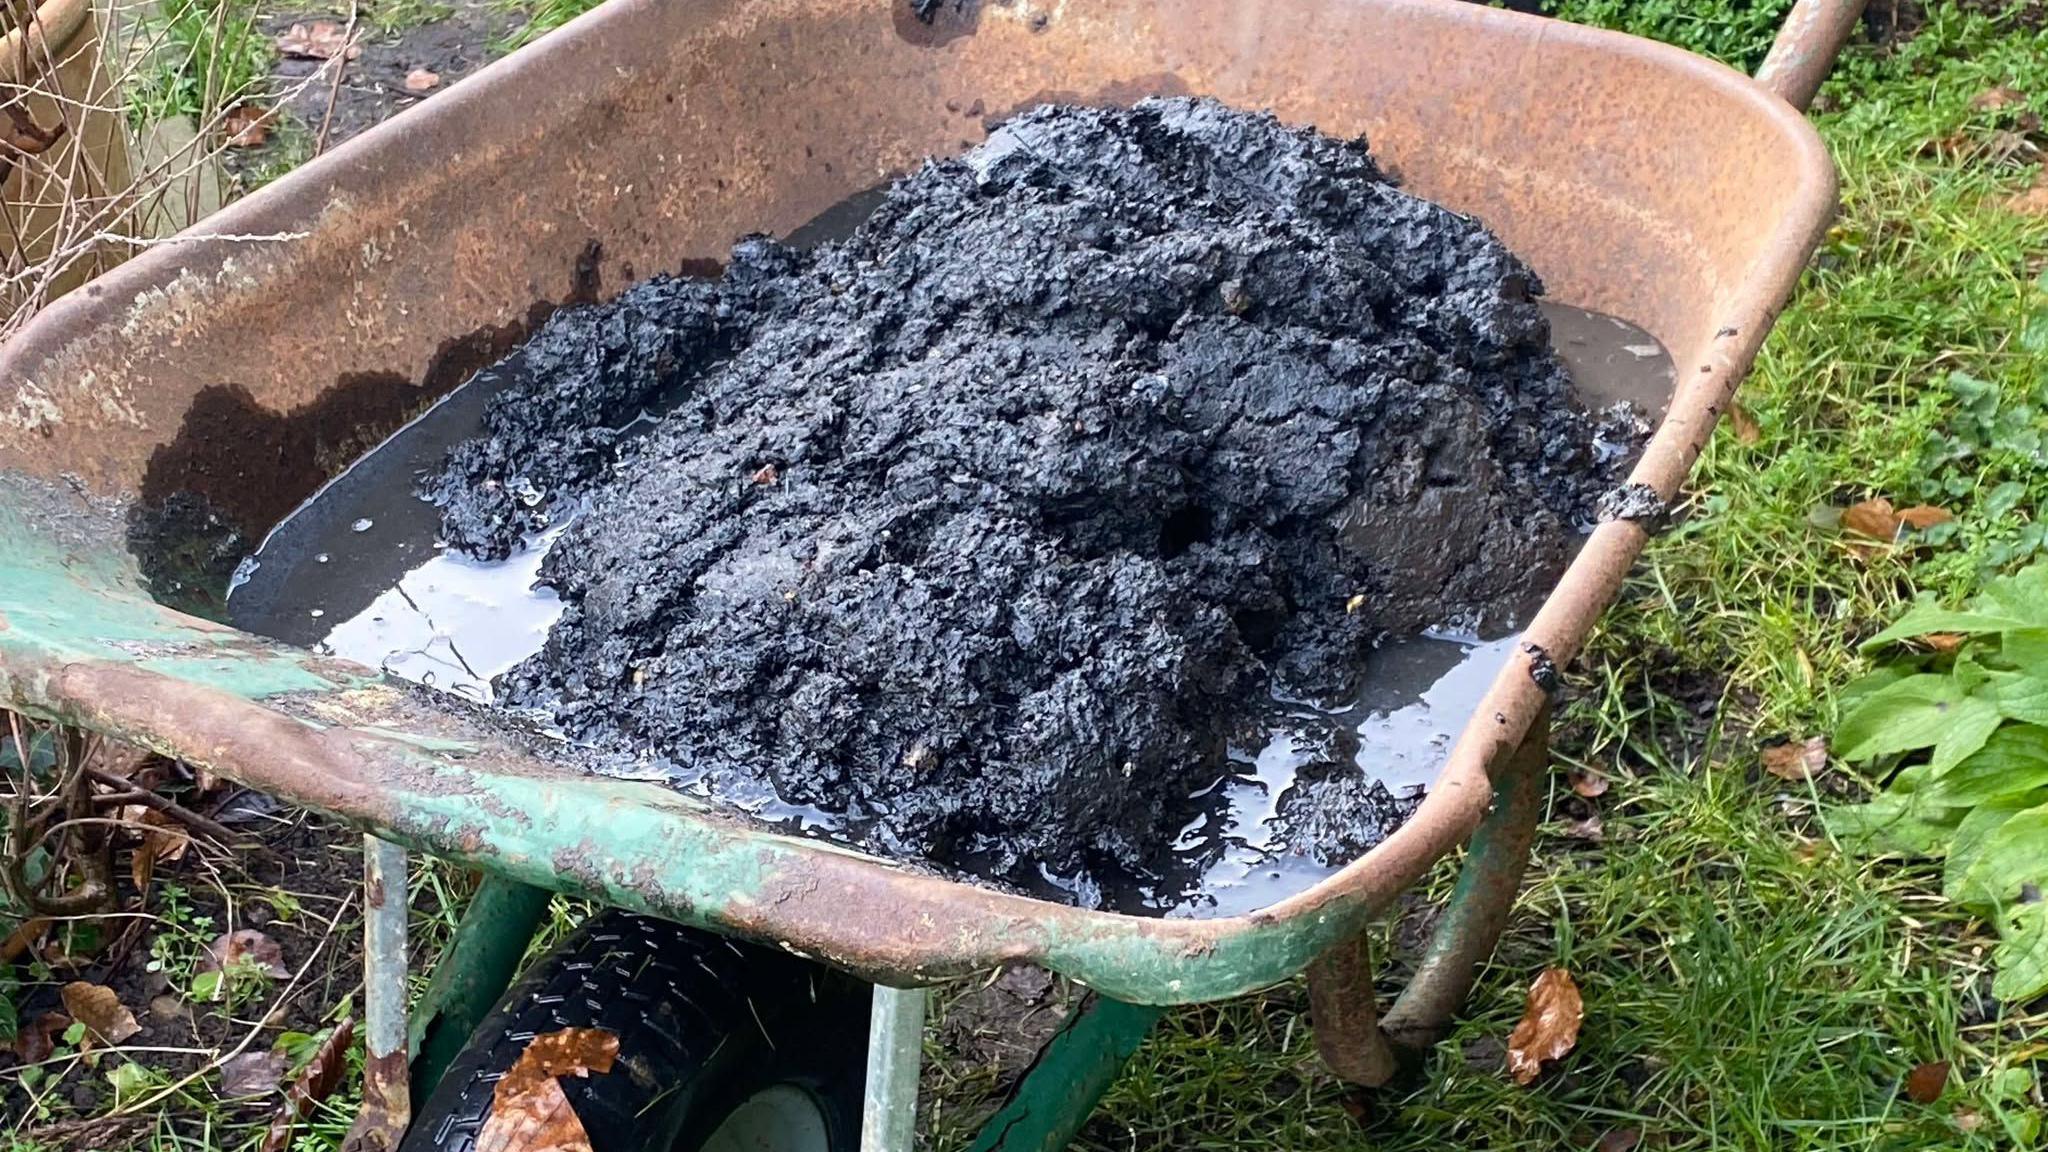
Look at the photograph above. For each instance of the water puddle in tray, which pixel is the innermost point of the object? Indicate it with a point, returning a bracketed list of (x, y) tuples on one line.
[(357, 572)]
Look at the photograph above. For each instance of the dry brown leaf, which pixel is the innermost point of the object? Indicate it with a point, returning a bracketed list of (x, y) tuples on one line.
[(314, 1083), (1550, 1026), (245, 946), (320, 40), (1926, 1082), (1992, 99), (1943, 641), (1591, 829), (2034, 200), (100, 1009), (1796, 760), (1921, 517), (1619, 1140), (246, 125), (540, 1120), (1872, 518), (141, 869), (32, 1041), (529, 1111), (1747, 429), (1587, 782), (421, 80), (252, 1074)]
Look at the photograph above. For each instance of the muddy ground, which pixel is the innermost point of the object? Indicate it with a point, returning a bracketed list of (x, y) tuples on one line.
[(288, 891), (992, 526)]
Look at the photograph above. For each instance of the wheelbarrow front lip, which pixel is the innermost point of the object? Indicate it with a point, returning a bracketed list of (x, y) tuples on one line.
[(83, 646)]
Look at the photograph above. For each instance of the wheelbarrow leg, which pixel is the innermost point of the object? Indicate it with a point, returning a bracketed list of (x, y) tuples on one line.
[(387, 1090), (1358, 1045), (1345, 1013), (895, 1053), (1478, 909), (1068, 1078), (478, 966)]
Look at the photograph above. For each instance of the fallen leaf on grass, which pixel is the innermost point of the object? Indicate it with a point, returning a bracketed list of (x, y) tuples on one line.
[(1550, 1026), (529, 1110), (1872, 518), (100, 1009), (251, 1074), (1586, 782), (1921, 517), (1992, 99), (314, 1083), (1796, 760), (2033, 201), (246, 125), (421, 80), (1618, 1140), (1878, 520), (320, 40), (1747, 429), (245, 946), (1925, 1083), (32, 1041)]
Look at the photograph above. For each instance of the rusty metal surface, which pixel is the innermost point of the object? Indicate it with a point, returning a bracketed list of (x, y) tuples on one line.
[(1477, 911), (1806, 46), (1344, 1009), (387, 1075), (1638, 180)]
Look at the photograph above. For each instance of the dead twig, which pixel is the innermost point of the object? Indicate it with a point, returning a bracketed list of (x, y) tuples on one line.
[(164, 804), (340, 62)]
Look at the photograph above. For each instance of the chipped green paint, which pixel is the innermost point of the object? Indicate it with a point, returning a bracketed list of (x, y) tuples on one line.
[(76, 607), (86, 603)]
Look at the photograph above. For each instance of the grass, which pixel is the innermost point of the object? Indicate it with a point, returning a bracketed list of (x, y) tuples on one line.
[(198, 57), (542, 17)]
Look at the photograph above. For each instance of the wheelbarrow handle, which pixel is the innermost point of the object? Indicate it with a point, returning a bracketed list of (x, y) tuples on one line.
[(1806, 47)]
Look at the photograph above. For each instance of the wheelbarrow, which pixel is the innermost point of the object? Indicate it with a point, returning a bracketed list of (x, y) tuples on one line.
[(208, 386)]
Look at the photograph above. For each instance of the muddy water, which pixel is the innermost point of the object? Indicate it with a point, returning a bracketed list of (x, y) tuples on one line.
[(358, 573)]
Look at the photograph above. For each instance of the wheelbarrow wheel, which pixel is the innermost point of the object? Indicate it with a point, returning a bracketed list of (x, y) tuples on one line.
[(722, 1046)]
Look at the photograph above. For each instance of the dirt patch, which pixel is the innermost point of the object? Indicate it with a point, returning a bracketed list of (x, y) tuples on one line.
[(299, 891), (991, 527), (372, 86)]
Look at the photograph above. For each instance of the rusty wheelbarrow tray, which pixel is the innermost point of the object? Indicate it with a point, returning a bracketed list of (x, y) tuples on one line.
[(231, 372)]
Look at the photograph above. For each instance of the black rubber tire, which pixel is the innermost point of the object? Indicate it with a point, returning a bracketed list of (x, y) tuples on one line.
[(703, 1024)]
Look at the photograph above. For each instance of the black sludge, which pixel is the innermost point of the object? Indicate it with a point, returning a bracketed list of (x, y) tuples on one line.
[(990, 526)]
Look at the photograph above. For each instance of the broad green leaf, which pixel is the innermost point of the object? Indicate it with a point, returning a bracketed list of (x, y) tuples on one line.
[(2013, 855), (1968, 845), (2022, 695), (1895, 822), (1922, 619), (2007, 604), (1970, 723), (2022, 595), (2022, 955), (1912, 713), (2026, 648), (2012, 762)]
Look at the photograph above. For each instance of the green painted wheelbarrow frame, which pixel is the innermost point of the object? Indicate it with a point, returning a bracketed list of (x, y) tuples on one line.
[(227, 374)]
